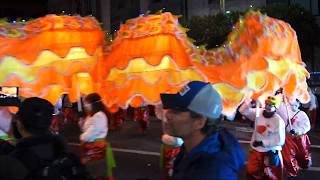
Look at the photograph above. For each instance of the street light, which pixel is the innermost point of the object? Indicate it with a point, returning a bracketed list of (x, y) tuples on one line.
[(222, 6)]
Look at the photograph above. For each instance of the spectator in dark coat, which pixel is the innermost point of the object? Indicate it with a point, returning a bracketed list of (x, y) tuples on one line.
[(35, 144)]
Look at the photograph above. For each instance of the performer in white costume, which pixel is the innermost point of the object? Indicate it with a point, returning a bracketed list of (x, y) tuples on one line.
[(265, 161)]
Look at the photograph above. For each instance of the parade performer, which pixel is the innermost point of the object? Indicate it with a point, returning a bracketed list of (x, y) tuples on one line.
[(95, 149), (117, 119), (5, 121), (297, 149), (313, 108), (6, 141), (63, 114), (141, 115), (265, 160), (169, 150), (170, 146)]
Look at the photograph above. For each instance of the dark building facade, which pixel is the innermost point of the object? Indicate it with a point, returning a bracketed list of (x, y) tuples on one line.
[(111, 13), (24, 9)]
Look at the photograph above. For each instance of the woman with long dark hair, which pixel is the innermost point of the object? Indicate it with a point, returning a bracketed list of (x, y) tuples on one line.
[(94, 144)]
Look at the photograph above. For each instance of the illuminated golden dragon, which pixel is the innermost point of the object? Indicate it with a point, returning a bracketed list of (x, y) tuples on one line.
[(150, 55)]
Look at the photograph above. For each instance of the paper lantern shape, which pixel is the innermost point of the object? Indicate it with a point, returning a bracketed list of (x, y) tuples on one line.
[(152, 55), (42, 55), (148, 57)]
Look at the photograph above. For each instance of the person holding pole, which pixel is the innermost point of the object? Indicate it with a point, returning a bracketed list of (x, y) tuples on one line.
[(297, 149), (265, 160)]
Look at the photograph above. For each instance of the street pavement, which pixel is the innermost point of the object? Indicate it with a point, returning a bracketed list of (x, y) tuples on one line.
[(137, 155)]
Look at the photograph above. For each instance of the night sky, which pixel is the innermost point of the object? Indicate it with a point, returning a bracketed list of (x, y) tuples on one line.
[(25, 9)]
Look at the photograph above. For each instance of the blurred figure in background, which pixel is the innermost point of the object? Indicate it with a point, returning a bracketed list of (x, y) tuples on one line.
[(63, 114), (6, 140), (5, 122), (169, 151), (117, 119), (170, 146), (310, 108), (141, 115), (313, 108)]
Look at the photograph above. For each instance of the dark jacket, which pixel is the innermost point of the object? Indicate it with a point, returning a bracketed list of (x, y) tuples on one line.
[(219, 156), (5, 147), (31, 153)]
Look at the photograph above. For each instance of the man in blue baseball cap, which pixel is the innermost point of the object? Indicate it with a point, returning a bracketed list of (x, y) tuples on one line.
[(208, 152)]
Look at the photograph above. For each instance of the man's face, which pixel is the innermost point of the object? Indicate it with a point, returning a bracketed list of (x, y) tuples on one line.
[(269, 110), (180, 123), (269, 107)]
